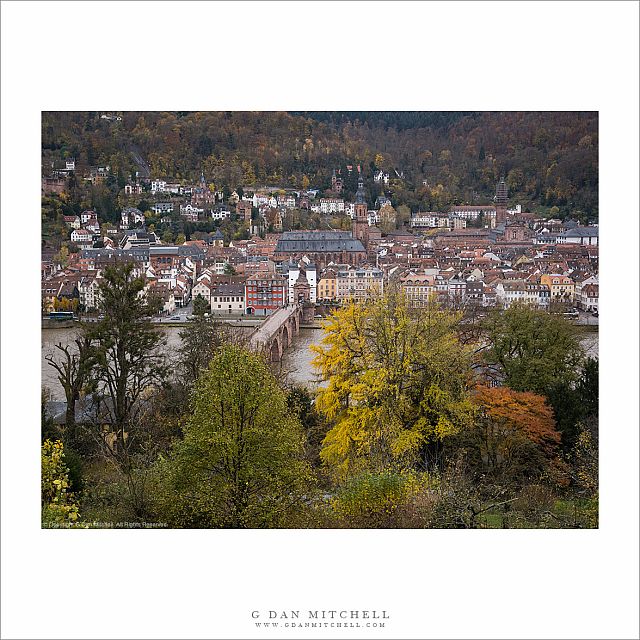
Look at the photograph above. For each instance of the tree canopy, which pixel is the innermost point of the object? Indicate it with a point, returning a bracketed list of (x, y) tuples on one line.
[(241, 463), (397, 381)]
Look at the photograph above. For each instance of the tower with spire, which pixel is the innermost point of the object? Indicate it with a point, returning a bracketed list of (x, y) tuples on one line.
[(360, 223), (501, 199)]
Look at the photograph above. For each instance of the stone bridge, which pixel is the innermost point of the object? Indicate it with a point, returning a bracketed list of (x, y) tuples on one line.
[(277, 331)]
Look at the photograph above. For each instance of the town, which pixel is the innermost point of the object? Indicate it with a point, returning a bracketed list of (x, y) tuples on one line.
[(246, 325), (485, 255)]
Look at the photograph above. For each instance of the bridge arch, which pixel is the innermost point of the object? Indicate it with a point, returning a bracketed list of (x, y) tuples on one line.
[(286, 336), (276, 349)]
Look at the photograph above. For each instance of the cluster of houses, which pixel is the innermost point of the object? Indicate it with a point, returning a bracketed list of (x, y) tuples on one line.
[(511, 256)]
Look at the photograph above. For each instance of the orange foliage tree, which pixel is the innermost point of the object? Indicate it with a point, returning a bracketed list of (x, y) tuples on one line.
[(514, 435)]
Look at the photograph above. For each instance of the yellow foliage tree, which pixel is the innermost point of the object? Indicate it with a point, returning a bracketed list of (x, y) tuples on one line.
[(397, 382), (58, 506)]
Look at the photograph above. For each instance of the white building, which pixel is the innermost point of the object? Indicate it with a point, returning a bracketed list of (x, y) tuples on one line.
[(158, 186), (162, 207), (579, 235), (88, 290), (85, 216), (130, 216), (587, 294), (473, 212), (82, 237), (373, 218), (288, 201), (221, 214), (130, 189), (381, 176), (331, 205), (312, 279), (228, 299), (430, 220), (190, 212), (535, 295), (202, 288)]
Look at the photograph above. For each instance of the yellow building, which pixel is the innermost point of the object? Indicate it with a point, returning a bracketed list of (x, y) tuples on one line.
[(561, 287), (327, 286), (357, 284)]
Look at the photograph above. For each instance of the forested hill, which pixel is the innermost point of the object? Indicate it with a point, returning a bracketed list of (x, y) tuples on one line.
[(550, 159), (400, 120)]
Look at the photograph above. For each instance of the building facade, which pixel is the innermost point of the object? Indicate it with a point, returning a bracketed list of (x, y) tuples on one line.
[(265, 294)]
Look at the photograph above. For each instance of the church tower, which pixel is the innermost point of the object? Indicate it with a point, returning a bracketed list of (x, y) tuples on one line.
[(360, 223), (501, 199)]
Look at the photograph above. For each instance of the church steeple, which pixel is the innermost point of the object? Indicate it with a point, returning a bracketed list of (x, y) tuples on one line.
[(501, 199), (360, 194)]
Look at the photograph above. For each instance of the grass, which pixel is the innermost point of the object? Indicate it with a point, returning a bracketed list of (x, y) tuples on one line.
[(563, 514)]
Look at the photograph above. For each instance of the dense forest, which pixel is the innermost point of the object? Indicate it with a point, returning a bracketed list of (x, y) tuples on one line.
[(435, 159)]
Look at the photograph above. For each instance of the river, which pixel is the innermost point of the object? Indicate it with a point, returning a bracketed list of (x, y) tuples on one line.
[(295, 367)]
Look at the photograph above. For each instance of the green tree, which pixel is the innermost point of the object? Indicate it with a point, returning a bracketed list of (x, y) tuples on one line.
[(126, 345), (532, 350), (241, 463), (167, 236), (397, 384), (200, 340), (200, 306), (129, 367), (180, 239), (575, 404)]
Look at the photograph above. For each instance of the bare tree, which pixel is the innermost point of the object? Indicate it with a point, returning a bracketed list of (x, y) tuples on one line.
[(74, 370)]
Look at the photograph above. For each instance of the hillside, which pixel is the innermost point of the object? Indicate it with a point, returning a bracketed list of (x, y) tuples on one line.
[(550, 159)]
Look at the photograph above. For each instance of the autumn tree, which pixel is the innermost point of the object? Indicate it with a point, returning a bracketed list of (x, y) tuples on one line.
[(584, 458), (241, 463), (387, 218), (396, 384), (62, 257), (58, 505), (403, 215), (514, 435)]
